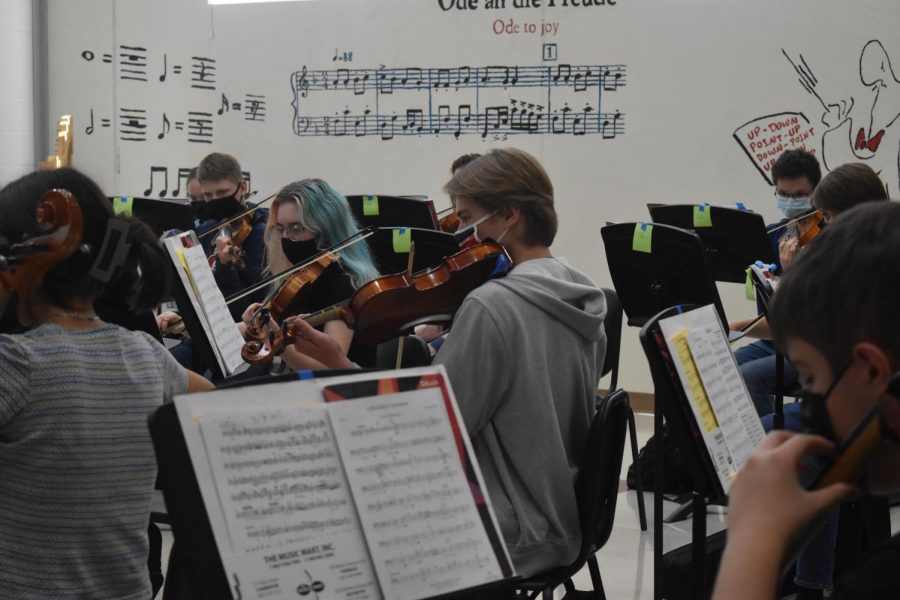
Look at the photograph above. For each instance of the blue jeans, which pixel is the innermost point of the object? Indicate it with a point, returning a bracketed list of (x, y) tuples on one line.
[(815, 564), (757, 365)]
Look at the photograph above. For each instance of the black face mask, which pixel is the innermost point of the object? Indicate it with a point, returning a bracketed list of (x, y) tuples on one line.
[(814, 410), (198, 207), (223, 208), (299, 252)]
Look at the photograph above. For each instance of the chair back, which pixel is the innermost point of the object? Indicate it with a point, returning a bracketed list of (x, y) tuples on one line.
[(612, 323), (415, 353), (597, 488)]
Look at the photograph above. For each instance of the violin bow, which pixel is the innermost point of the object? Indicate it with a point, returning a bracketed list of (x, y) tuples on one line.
[(345, 243), (218, 226)]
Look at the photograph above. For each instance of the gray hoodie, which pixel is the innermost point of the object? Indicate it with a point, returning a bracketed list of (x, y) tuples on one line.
[(524, 358)]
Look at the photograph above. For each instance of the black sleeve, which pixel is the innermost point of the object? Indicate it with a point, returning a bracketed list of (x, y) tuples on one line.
[(875, 577)]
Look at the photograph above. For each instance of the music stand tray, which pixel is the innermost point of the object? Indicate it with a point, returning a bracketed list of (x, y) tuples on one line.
[(734, 238), (393, 211)]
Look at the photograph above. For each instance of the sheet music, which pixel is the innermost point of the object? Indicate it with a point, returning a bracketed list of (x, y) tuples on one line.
[(289, 511), (423, 529), (224, 331), (712, 382), (176, 245), (726, 391)]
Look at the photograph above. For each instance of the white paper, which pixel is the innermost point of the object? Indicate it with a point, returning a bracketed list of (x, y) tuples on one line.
[(423, 529), (727, 392), (290, 515), (224, 332), (733, 429)]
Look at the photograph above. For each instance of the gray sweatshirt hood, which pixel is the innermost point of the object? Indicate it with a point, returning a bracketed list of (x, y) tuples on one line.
[(562, 292)]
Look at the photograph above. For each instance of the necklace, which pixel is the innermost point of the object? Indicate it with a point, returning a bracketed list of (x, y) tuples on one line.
[(72, 315)]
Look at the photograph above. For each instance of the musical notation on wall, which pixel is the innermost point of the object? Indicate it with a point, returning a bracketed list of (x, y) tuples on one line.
[(491, 100)]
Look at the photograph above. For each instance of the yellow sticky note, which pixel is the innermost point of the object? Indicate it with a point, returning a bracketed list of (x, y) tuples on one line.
[(702, 216), (643, 236), (122, 205), (402, 240), (370, 206), (695, 390)]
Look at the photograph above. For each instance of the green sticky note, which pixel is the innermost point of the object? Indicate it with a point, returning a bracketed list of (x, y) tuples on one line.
[(643, 234), (702, 216), (402, 240), (748, 285), (370, 206), (122, 205)]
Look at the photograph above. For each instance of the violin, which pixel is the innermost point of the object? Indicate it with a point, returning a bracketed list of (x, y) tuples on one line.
[(24, 264), (806, 227), (449, 223), (384, 307), (238, 227)]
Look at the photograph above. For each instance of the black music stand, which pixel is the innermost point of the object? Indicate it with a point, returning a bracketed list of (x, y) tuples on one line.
[(673, 406), (734, 238), (201, 346), (390, 248), (159, 215), (656, 266), (393, 211), (190, 522), (765, 292)]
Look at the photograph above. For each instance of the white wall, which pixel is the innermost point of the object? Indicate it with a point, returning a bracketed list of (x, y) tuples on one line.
[(16, 95), (697, 70)]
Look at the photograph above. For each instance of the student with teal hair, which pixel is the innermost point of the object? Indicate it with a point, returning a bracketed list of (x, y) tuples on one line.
[(305, 218)]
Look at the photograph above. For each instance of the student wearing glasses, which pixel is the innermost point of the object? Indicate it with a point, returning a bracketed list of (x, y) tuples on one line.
[(305, 218)]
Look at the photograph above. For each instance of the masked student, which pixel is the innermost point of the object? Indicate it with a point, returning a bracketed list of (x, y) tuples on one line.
[(307, 217), (77, 466), (844, 187), (847, 351), (224, 193), (524, 359)]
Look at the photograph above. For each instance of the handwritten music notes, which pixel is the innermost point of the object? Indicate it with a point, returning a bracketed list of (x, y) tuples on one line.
[(424, 532), (491, 100), (715, 389)]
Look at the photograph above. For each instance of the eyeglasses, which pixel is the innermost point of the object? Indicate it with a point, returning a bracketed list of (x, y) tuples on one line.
[(795, 195), (292, 231)]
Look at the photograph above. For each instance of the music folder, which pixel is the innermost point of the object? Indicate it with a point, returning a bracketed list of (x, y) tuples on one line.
[(362, 486)]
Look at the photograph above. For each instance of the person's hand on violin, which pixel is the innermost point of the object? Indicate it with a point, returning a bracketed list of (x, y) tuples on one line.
[(787, 250), (226, 251), (317, 345), (170, 323)]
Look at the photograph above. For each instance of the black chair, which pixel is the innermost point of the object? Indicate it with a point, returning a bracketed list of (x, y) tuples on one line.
[(612, 323), (415, 353), (654, 267), (597, 491)]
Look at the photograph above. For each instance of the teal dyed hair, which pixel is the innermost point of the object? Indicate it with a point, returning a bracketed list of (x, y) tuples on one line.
[(325, 211)]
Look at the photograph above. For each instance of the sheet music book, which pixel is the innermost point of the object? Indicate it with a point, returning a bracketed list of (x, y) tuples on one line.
[(712, 382), (356, 487), (198, 280)]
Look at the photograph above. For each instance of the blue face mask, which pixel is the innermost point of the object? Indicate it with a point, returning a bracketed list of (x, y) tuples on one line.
[(793, 206)]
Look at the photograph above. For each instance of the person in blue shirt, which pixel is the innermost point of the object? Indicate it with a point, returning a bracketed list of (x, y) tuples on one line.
[(225, 196)]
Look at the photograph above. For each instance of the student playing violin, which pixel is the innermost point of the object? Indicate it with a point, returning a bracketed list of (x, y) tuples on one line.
[(239, 261), (524, 358), (307, 217), (77, 467)]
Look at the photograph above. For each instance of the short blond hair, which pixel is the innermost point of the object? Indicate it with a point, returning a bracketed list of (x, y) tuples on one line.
[(510, 177)]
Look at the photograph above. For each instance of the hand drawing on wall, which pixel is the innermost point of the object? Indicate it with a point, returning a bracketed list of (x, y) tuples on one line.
[(860, 127)]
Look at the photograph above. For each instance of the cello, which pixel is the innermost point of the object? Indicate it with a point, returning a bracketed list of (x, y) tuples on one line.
[(23, 264), (386, 306)]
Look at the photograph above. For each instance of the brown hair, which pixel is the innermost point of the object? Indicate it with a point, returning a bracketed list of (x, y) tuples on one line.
[(462, 161), (510, 177), (217, 166), (846, 186)]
